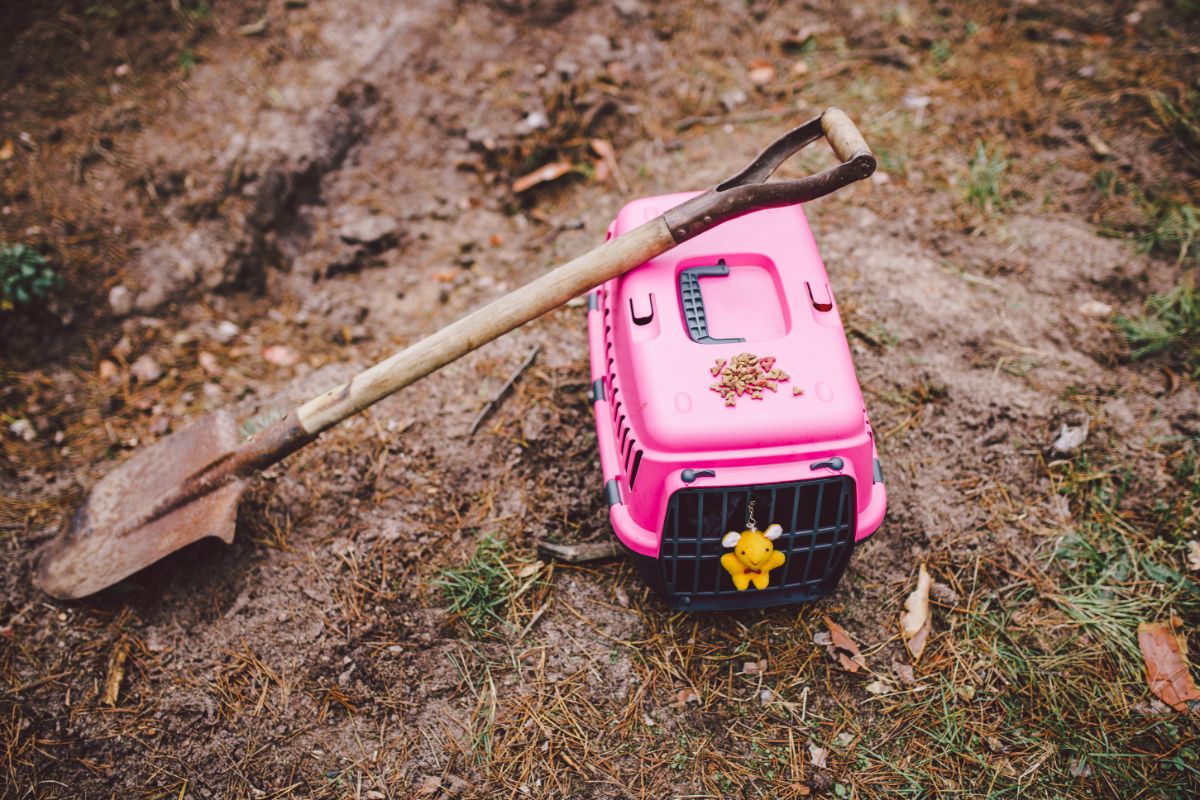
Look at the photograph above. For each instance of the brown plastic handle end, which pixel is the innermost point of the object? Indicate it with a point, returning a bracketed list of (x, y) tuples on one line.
[(750, 189)]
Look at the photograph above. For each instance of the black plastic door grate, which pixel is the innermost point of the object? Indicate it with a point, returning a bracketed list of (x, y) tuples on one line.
[(818, 520)]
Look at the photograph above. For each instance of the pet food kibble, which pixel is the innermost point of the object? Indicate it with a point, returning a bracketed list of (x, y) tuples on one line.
[(746, 374), (797, 391)]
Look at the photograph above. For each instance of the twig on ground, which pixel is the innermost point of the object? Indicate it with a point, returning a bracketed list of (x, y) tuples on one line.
[(580, 552), (491, 405)]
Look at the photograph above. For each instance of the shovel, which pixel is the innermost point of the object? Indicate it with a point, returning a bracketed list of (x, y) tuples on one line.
[(187, 486)]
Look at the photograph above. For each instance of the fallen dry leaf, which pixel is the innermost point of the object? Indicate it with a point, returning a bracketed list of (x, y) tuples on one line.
[(550, 172), (916, 622), (1193, 555), (1098, 145), (601, 171), (428, 785), (1070, 437), (878, 687), (604, 149), (904, 673), (819, 755), (685, 696), (116, 672), (843, 648), (1165, 652), (754, 667), (257, 28), (6, 150), (280, 355), (530, 569)]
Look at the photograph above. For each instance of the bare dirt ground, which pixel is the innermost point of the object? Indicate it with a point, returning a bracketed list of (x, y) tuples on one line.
[(250, 200)]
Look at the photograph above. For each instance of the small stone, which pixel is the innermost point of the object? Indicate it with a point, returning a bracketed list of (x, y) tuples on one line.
[(107, 371), (23, 430), (146, 369), (120, 300), (208, 363), (631, 9), (761, 72), (535, 120), (370, 229), (344, 678), (943, 594), (1095, 308), (732, 99), (280, 355), (1070, 437), (226, 332)]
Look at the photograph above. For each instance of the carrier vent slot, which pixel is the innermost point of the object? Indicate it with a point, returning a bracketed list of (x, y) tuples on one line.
[(637, 462)]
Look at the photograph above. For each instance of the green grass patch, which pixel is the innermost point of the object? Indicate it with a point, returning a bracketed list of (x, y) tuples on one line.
[(1170, 324), (986, 179), (1041, 690), (26, 279), (483, 589), (1171, 229)]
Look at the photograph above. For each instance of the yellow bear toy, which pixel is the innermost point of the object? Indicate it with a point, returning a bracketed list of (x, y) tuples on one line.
[(753, 556)]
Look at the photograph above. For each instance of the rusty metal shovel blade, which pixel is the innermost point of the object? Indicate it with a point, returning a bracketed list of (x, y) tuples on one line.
[(107, 541)]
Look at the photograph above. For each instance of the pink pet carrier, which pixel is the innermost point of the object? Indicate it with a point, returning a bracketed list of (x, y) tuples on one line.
[(725, 399)]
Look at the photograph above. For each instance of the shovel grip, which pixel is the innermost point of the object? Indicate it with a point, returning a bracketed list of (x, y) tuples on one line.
[(843, 135), (749, 189)]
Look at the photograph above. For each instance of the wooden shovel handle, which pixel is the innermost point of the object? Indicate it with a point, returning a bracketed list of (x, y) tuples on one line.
[(531, 301)]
